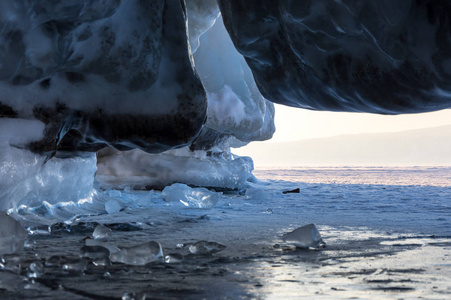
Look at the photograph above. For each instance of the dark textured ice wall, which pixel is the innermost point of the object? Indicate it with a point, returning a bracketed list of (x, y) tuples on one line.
[(387, 56), (100, 73), (120, 73)]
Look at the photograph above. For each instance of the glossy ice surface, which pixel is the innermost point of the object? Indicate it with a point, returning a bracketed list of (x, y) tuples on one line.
[(387, 231)]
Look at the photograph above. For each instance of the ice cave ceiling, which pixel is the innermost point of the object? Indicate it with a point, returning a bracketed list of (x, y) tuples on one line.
[(155, 75)]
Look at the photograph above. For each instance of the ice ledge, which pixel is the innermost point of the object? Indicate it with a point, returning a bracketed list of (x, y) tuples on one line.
[(141, 170)]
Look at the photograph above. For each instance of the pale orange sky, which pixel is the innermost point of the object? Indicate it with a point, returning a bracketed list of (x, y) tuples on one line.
[(294, 124)]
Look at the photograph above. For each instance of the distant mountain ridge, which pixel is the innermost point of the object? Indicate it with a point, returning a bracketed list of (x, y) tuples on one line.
[(429, 146)]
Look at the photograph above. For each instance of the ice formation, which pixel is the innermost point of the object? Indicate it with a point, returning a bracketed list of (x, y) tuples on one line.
[(306, 236), (137, 169), (191, 197), (389, 56), (181, 82), (100, 73)]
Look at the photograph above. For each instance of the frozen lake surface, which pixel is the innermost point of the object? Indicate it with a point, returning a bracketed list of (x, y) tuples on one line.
[(387, 233)]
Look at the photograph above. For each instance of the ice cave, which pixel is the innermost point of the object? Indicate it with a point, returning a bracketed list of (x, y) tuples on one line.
[(118, 120)]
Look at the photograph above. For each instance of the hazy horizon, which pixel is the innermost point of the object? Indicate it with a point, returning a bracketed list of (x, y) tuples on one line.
[(429, 146)]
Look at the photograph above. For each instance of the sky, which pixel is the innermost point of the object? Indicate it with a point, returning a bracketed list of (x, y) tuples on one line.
[(294, 124)]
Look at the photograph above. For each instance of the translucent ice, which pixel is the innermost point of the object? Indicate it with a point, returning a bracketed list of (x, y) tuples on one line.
[(139, 169), (173, 258), (112, 206), (101, 232), (28, 179), (191, 197), (35, 270), (139, 255), (306, 236), (235, 105), (204, 247), (12, 235)]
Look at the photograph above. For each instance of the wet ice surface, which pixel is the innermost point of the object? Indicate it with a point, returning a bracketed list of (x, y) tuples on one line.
[(388, 235)]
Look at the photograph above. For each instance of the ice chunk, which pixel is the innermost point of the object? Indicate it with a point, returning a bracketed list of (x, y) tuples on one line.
[(173, 258), (35, 270), (139, 255), (204, 247), (12, 235), (112, 206), (306, 236), (101, 232), (191, 197)]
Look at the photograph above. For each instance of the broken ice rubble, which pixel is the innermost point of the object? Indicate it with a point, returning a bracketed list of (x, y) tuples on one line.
[(191, 197), (306, 236), (12, 235), (139, 255)]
